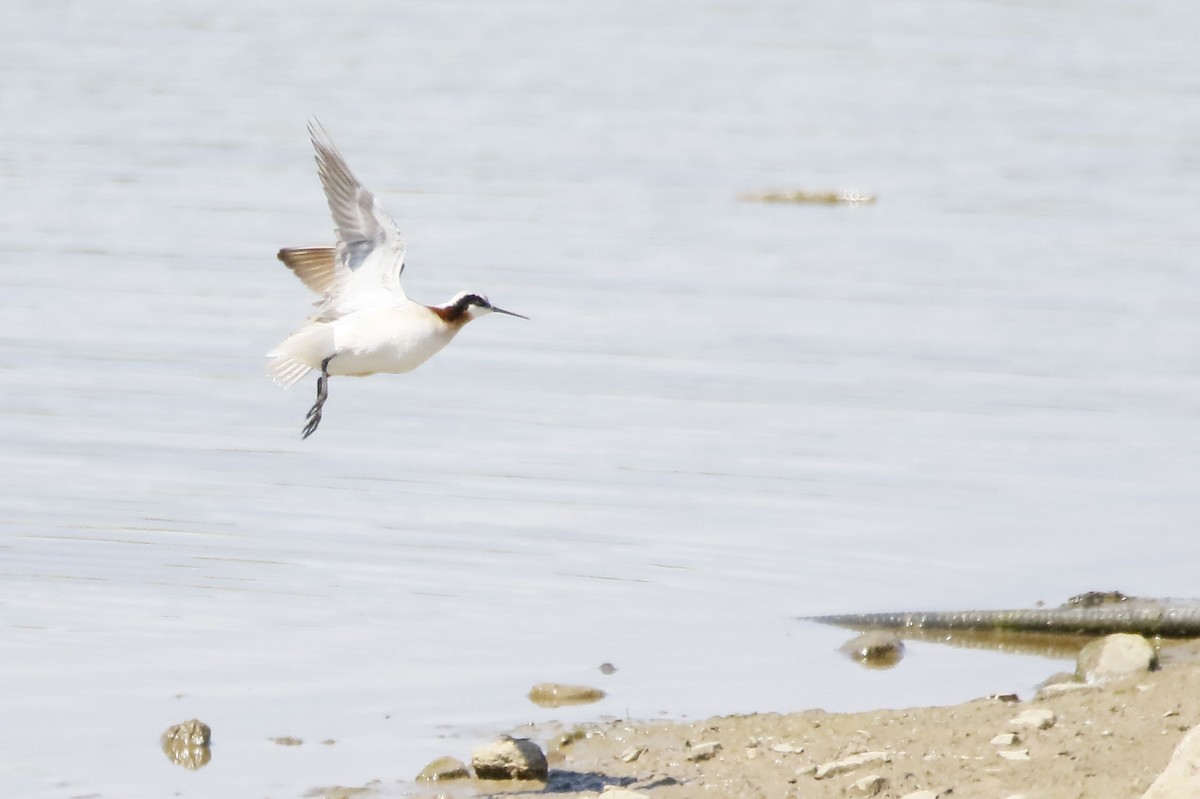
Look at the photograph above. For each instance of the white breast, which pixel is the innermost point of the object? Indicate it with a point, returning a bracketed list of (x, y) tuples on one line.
[(387, 340)]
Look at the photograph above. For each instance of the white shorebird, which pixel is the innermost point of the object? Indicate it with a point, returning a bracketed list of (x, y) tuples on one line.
[(364, 324)]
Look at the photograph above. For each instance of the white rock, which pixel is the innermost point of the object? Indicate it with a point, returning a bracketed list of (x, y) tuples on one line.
[(870, 785), (631, 754), (921, 794), (787, 749), (1014, 754), (1005, 739), (1117, 655), (1040, 718), (1181, 778), (1054, 689), (510, 759), (844, 765), (704, 751)]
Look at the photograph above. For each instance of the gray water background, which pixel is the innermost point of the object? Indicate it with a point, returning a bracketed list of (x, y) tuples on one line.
[(980, 391)]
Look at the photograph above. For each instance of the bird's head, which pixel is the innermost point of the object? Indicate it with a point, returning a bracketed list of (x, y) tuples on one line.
[(467, 305)]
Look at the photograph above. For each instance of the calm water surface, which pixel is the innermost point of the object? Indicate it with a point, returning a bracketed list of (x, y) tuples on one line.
[(981, 391)]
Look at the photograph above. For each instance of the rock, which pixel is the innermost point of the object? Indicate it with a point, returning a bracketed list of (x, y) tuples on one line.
[(1058, 688), (1117, 655), (631, 754), (875, 649), (833, 768), (1004, 739), (1014, 754), (787, 749), (607, 668), (1181, 778), (187, 744), (189, 733), (1040, 718), (553, 694), (568, 738), (704, 751), (870, 785), (921, 794), (510, 759), (444, 769)]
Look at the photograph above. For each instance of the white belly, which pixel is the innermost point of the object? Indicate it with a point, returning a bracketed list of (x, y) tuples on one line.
[(389, 340)]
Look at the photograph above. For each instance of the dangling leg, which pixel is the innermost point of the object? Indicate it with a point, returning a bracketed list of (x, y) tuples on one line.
[(314, 413)]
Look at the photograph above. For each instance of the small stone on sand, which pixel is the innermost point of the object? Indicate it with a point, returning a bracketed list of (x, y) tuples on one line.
[(1040, 718), (510, 759), (444, 769)]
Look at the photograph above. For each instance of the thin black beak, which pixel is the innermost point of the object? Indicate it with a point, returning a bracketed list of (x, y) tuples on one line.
[(509, 313)]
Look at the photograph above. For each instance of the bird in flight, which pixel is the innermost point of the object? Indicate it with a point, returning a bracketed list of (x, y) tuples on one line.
[(365, 324)]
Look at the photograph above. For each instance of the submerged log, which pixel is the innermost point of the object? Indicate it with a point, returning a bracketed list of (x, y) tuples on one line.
[(1144, 617)]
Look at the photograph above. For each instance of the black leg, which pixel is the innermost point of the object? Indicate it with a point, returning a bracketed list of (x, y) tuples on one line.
[(314, 413)]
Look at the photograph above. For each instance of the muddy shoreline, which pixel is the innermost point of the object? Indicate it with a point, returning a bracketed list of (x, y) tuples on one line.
[(1106, 740)]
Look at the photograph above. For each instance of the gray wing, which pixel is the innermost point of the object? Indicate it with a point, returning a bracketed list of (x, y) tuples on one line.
[(370, 249)]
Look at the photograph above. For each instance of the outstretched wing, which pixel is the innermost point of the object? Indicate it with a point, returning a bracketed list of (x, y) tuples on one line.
[(370, 250), (315, 266)]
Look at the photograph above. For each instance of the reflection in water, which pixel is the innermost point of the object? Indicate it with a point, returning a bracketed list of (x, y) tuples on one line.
[(875, 649), (553, 694), (1047, 645)]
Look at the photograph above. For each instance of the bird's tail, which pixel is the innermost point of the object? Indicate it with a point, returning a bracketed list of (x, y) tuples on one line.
[(286, 370), (299, 354)]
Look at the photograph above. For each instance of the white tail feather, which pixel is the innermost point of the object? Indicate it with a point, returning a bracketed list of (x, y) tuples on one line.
[(285, 369), (300, 353)]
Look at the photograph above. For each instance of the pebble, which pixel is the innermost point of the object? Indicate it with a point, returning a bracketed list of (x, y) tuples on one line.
[(921, 794), (704, 751), (193, 732), (1116, 655), (787, 749), (844, 765), (1053, 689), (186, 744), (1014, 754), (510, 759), (444, 769), (632, 754), (1005, 739), (870, 785), (1040, 718)]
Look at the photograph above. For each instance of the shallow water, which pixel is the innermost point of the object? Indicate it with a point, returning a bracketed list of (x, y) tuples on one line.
[(980, 391)]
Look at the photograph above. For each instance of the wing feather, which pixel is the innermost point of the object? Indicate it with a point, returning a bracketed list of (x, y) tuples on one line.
[(315, 266), (369, 255)]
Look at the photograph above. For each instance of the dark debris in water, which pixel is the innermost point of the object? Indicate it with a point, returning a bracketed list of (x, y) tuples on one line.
[(810, 197)]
